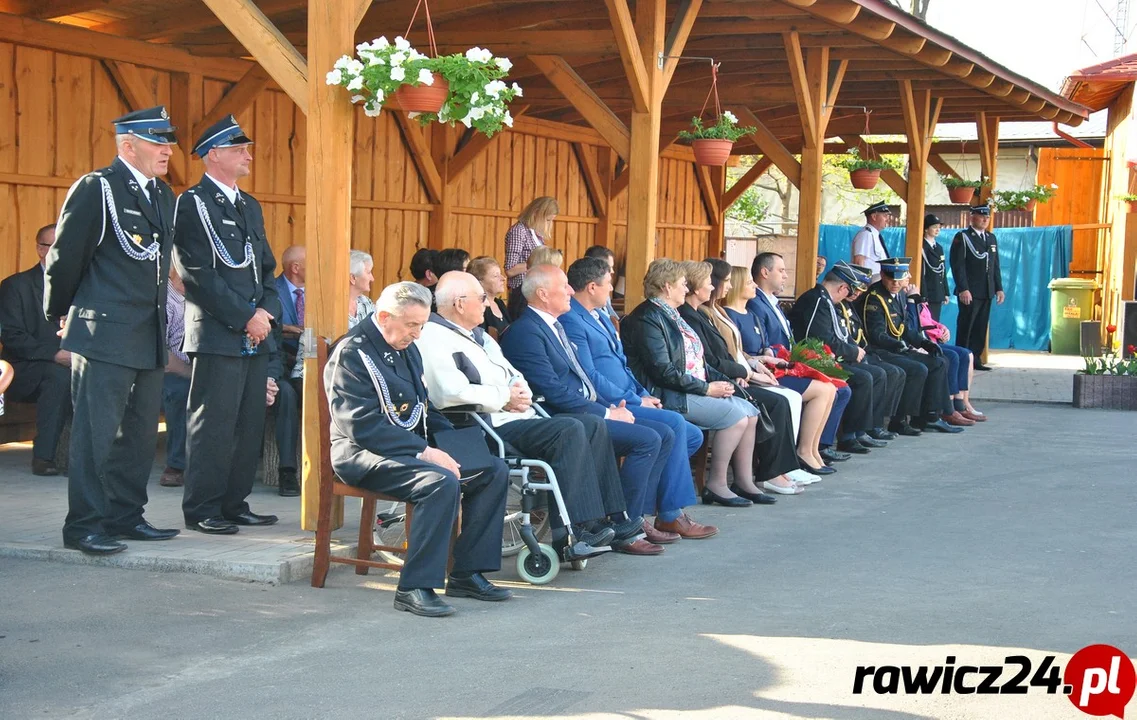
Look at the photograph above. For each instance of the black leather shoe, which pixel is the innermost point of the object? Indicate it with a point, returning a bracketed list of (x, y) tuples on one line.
[(941, 426), (288, 484), (627, 530), (477, 587), (710, 498), (214, 526), (881, 434), (597, 538), (853, 447), (981, 367), (823, 470), (870, 442), (96, 545), (44, 468), (422, 601), (251, 518), (758, 498), (830, 455), (905, 429), (146, 531)]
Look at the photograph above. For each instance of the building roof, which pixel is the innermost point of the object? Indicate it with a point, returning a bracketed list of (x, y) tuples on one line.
[(1097, 86)]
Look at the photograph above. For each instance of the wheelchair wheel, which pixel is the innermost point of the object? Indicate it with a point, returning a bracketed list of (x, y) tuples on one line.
[(511, 542), (579, 564), (538, 569), (391, 529)]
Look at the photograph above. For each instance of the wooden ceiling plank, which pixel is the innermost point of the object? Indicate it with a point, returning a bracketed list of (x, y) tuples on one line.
[(47, 9), (165, 24)]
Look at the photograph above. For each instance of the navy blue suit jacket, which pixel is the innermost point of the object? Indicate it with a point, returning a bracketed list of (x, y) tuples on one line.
[(772, 328), (601, 354), (287, 303), (536, 351)]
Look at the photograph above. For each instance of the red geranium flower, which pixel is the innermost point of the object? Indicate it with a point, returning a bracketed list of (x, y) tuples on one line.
[(1111, 328), (1131, 348)]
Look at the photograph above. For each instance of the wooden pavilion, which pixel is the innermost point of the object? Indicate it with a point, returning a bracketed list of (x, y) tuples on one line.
[(607, 85)]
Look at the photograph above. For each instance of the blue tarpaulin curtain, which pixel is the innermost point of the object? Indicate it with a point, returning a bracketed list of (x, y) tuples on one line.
[(1029, 258)]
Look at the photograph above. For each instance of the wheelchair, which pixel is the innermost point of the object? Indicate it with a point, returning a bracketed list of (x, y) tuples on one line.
[(526, 520)]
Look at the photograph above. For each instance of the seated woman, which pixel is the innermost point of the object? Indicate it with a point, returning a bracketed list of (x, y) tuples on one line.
[(817, 397), (775, 458), (541, 255), (961, 367), (666, 356), (492, 278)]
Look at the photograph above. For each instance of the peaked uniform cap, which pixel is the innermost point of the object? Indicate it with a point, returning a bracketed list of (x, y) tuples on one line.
[(895, 268), (877, 207), (223, 133), (152, 125)]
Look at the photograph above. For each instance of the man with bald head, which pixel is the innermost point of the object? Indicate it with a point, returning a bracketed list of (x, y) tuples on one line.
[(290, 288), (537, 344), (465, 367)]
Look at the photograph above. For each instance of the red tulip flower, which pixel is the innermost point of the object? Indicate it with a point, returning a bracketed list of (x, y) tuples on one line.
[(1111, 328)]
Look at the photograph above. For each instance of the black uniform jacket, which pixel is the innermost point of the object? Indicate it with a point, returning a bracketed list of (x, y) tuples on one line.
[(25, 332), (933, 282), (361, 433), (102, 273), (885, 318), (980, 275), (221, 299), (812, 316)]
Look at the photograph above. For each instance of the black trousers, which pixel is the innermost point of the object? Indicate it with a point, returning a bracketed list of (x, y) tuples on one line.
[(777, 454), (436, 493), (579, 450), (114, 437), (894, 389), (934, 396), (865, 386), (48, 385), (971, 330), (286, 412), (224, 434)]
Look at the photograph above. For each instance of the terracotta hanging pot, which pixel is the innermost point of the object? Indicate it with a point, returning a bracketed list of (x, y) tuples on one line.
[(1030, 205), (423, 98), (961, 195), (1132, 204), (711, 152), (864, 179)]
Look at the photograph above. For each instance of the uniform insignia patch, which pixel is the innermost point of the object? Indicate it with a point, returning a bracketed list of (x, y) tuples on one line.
[(137, 240), (872, 308), (389, 359), (128, 211)]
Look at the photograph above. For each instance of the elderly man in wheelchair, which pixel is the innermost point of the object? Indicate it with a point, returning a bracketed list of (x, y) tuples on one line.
[(465, 368)]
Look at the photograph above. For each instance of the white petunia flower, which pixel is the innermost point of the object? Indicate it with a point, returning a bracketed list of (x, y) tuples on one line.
[(517, 90), (402, 44), (357, 99), (356, 83), (425, 77), (504, 64), (729, 116), (380, 43), (467, 121), (373, 59), (372, 109), (508, 119), (474, 98), (486, 56), (363, 47), (495, 87), (398, 73), (398, 58), (413, 115), (477, 113), (473, 54), (378, 96), (333, 78)]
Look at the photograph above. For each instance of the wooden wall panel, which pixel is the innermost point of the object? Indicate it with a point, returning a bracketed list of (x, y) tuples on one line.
[(1080, 174), (55, 112)]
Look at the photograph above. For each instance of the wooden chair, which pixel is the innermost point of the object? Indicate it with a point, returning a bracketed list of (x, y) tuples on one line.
[(330, 486), (699, 463)]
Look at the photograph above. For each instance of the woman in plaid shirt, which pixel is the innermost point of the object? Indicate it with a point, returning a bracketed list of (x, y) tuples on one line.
[(531, 229)]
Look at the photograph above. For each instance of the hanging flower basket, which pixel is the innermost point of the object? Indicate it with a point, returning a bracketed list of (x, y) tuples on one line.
[(864, 179), (961, 195), (423, 98), (709, 151), (1023, 199), (1030, 205), (712, 144), (1132, 206)]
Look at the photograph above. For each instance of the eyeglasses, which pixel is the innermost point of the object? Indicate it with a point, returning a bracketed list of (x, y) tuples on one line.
[(481, 298), (47, 245)]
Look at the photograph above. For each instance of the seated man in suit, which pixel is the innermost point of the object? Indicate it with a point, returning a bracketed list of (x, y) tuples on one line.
[(285, 409), (466, 367), (385, 436), (290, 289), (31, 345), (537, 344), (601, 354)]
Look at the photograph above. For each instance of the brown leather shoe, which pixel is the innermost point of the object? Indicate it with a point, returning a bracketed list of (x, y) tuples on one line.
[(972, 416), (44, 468), (686, 528), (659, 537), (171, 478), (639, 547), (956, 419)]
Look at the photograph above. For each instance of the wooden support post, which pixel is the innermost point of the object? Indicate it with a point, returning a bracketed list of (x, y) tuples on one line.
[(988, 127), (809, 217), (921, 114), (327, 231), (441, 156), (1120, 268), (643, 158)]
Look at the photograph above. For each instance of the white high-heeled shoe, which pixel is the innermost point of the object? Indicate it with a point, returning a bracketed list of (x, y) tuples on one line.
[(801, 477), (780, 490)]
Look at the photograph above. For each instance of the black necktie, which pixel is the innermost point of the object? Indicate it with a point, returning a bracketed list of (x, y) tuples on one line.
[(152, 187)]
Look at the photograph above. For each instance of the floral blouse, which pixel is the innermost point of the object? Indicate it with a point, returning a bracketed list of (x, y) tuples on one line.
[(692, 346)]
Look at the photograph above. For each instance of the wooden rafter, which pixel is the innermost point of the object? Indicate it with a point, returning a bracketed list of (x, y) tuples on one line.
[(139, 95), (772, 147), (592, 108), (236, 99), (164, 24), (625, 32), (678, 35), (593, 181), (416, 143), (264, 42), (942, 166), (707, 191), (802, 90), (47, 9), (749, 178)]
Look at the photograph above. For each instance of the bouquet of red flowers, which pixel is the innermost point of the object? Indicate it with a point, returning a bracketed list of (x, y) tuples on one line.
[(813, 359)]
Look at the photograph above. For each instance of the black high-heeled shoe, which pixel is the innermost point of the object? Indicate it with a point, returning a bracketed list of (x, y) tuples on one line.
[(823, 470), (758, 498), (710, 498)]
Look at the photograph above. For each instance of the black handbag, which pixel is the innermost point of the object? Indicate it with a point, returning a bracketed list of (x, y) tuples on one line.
[(763, 429)]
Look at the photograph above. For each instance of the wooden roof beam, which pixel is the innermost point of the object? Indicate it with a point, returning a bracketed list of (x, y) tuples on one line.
[(236, 99), (592, 108), (677, 36), (47, 9), (593, 182), (259, 36), (772, 147), (802, 90), (624, 29), (165, 24), (749, 178), (420, 154)]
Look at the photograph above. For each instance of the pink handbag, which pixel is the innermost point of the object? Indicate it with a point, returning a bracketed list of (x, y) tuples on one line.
[(935, 331)]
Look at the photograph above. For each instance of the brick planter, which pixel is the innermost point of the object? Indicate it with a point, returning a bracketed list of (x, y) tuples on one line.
[(1110, 392)]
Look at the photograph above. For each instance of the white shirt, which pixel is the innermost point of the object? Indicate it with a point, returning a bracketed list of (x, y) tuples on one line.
[(231, 193), (778, 311), (142, 179), (867, 242)]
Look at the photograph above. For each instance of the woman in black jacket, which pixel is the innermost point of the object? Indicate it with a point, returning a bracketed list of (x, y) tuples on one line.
[(666, 356), (776, 457), (933, 274)]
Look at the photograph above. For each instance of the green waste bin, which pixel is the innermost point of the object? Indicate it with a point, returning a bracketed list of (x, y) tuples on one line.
[(1071, 302)]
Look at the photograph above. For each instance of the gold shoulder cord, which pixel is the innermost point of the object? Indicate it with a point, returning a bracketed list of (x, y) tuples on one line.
[(897, 332), (849, 324)]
